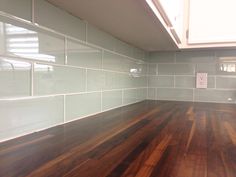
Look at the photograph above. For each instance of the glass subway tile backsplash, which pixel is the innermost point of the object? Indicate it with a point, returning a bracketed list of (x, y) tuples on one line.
[(172, 75), (55, 71)]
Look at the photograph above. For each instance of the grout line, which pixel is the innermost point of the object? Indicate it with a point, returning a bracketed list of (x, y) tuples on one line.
[(64, 35), (193, 94), (156, 94), (174, 82), (86, 80), (63, 65), (33, 11), (64, 106), (32, 80), (175, 56), (86, 32), (62, 123), (65, 50), (67, 94), (215, 82), (122, 96), (157, 69), (102, 61), (101, 94)]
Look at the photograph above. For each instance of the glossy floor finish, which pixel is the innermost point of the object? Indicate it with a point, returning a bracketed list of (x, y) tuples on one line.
[(147, 139)]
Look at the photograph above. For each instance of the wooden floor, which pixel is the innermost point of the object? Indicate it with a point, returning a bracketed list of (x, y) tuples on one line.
[(147, 139)]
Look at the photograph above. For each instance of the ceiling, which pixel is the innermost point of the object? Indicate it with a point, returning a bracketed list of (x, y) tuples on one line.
[(131, 21)]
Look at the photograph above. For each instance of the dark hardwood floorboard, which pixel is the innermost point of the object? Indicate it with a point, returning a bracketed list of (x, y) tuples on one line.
[(146, 139)]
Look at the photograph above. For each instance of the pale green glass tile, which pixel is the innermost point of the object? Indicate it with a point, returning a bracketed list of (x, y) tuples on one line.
[(161, 81), (211, 82), (152, 69), (22, 8), (138, 53), (162, 57), (50, 79), (82, 105), (226, 82), (82, 55), (123, 48), (151, 93), (140, 81), (141, 94), (175, 94), (26, 116), (225, 96), (176, 69), (130, 96), (95, 80), (185, 81), (115, 80), (211, 68), (195, 57), (117, 62), (100, 38), (111, 99), (14, 78), (59, 20)]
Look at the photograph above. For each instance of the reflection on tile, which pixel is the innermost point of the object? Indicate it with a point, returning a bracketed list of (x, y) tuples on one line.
[(26, 116), (225, 96), (111, 99), (176, 69), (162, 57), (14, 78), (195, 57), (82, 55), (50, 79), (226, 82), (226, 56), (95, 80), (82, 105), (22, 40), (226, 69), (22, 8), (174, 94), (59, 20)]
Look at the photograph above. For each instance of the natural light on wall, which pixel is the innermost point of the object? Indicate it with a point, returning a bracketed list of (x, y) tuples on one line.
[(212, 21)]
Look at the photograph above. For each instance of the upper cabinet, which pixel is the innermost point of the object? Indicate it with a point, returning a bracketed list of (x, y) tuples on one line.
[(171, 14), (198, 23), (212, 21)]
